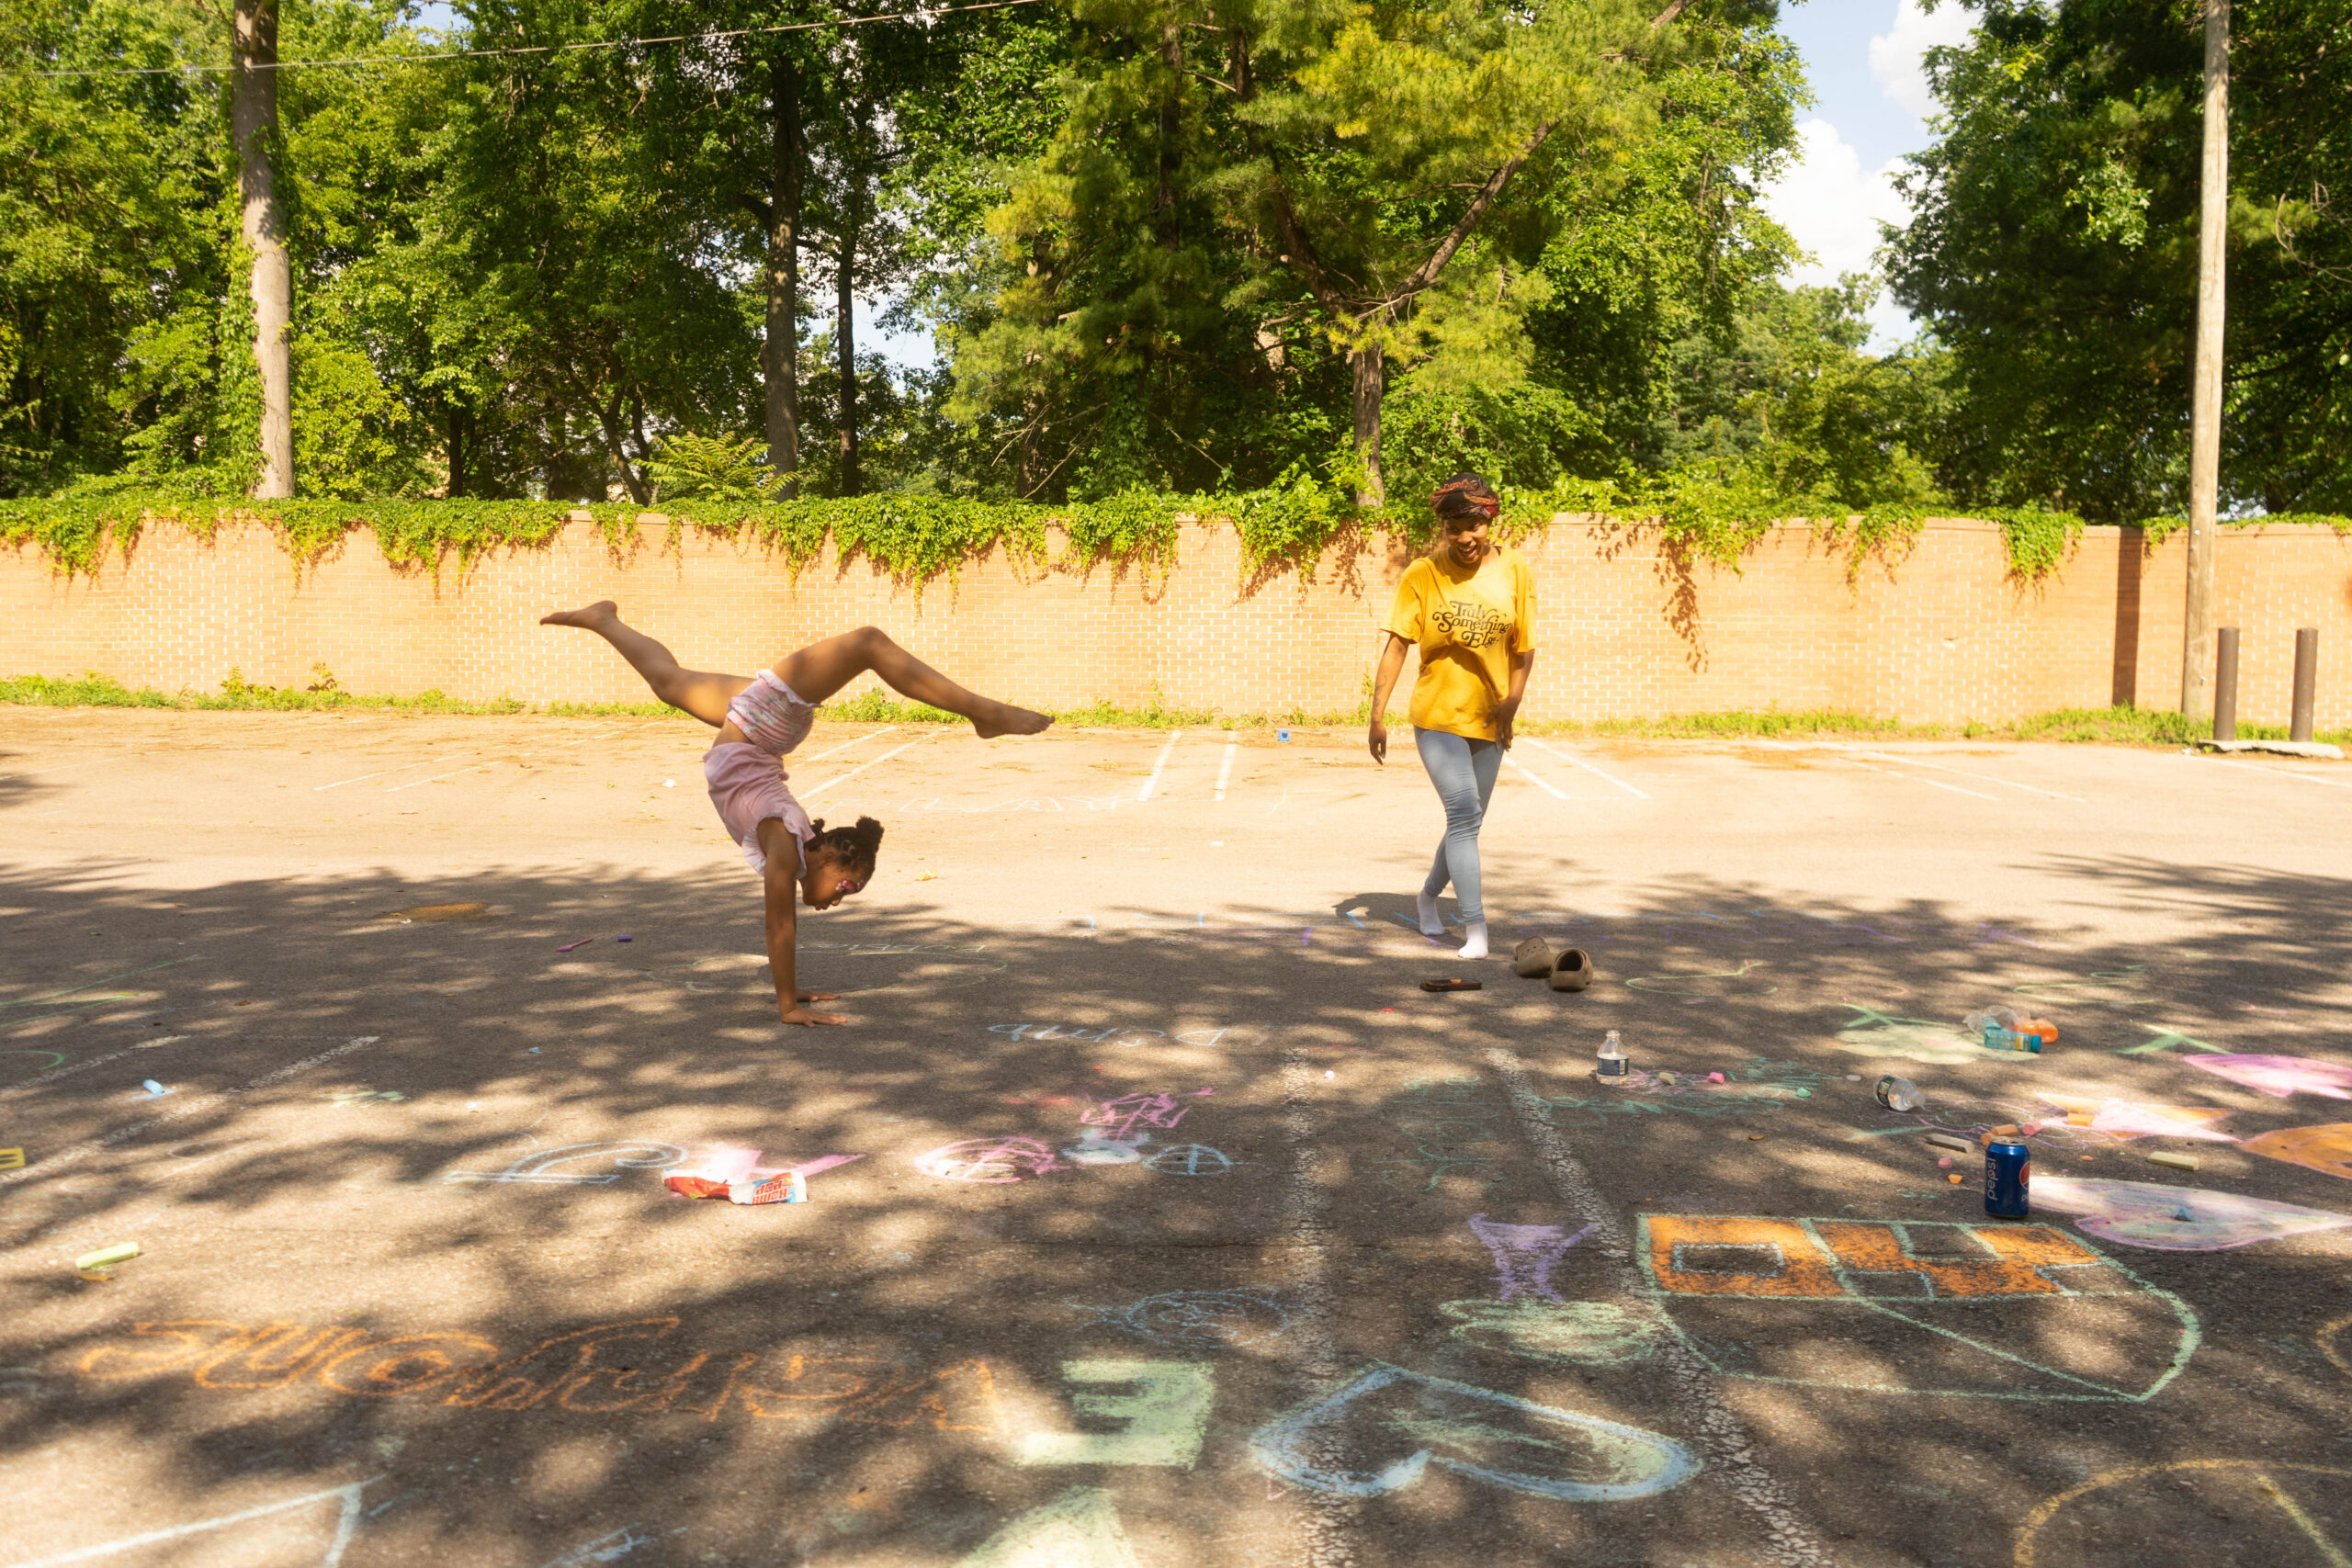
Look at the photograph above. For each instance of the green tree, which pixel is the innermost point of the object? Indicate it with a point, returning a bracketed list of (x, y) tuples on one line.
[(2055, 254)]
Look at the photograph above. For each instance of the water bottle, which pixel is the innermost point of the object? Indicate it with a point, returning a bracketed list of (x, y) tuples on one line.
[(1613, 1067)]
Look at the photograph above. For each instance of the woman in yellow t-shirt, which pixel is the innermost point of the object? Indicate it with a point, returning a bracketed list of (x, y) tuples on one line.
[(1469, 606)]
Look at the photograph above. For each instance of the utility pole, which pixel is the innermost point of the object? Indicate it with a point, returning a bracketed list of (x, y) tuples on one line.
[(2205, 391), (253, 126)]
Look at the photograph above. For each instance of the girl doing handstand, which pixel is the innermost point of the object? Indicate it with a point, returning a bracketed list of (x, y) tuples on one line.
[(759, 720)]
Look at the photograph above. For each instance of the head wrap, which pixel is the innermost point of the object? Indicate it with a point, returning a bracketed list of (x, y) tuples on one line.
[(1462, 497)]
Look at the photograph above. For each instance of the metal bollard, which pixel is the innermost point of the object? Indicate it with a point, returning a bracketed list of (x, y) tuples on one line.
[(2306, 678), (2225, 684)]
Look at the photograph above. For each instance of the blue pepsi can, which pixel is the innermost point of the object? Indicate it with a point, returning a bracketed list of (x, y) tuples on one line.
[(2008, 1171)]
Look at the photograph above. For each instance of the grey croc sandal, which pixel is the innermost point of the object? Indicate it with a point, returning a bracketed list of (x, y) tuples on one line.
[(1532, 959), (1572, 971)]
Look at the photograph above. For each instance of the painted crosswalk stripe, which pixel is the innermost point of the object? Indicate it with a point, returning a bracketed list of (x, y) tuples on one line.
[(1224, 768)]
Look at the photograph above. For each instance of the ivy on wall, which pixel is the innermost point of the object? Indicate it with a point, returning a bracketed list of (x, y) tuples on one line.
[(918, 538)]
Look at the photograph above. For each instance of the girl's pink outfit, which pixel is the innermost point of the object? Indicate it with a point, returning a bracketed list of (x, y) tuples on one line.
[(747, 780)]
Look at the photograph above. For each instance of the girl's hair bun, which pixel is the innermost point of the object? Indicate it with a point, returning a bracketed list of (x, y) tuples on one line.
[(854, 847)]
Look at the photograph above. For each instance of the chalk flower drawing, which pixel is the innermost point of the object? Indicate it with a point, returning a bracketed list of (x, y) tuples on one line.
[(1183, 1319), (2176, 1219), (1387, 1426)]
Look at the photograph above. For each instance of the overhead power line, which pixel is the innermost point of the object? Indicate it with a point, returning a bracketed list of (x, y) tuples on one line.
[(537, 47)]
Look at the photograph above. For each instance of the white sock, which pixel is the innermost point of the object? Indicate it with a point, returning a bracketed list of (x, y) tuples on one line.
[(1475, 946), (1432, 924)]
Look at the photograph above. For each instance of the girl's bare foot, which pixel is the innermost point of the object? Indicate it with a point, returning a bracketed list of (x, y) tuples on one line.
[(588, 615), (1003, 718)]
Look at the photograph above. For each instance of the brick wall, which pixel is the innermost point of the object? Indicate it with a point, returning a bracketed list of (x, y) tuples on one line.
[(1944, 635)]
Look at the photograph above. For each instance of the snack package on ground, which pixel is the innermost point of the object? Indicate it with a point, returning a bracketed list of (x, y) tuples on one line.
[(786, 1187)]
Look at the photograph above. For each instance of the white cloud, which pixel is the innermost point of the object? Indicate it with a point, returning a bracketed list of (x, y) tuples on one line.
[(1896, 56), (1833, 208)]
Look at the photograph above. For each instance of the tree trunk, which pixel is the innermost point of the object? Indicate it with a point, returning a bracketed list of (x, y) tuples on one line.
[(1171, 125), (253, 124), (844, 319), (2205, 385), (1367, 363), (780, 359)]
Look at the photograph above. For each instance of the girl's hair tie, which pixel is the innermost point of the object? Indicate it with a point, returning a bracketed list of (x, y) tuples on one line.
[(1466, 495)]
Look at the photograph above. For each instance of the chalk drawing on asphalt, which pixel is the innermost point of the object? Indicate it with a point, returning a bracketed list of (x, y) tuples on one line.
[(346, 1519), (1917, 1306), (1164, 1416), (1198, 1319), (540, 1167), (2176, 1219), (1582, 1334), (1382, 1431)]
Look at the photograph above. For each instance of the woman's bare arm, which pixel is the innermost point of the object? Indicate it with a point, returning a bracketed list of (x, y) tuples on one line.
[(1391, 664), (1507, 711)]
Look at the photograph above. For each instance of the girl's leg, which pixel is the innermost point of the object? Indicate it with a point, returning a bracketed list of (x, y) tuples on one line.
[(824, 667), (698, 691), (1464, 772)]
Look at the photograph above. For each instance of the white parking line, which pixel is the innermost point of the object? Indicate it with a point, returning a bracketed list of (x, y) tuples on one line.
[(470, 768), (1962, 773), (849, 742), (1153, 782), (1931, 784), (2282, 772), (1538, 780), (1577, 761), (819, 789), (1225, 769), (383, 773)]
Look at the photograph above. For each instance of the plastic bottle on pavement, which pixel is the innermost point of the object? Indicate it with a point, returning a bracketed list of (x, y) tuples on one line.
[(1614, 1065)]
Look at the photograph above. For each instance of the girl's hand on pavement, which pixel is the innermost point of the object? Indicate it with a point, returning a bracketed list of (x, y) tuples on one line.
[(802, 1015), (1378, 741)]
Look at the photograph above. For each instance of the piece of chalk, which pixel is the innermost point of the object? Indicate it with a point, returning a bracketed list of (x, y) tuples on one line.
[(12, 1159), (1947, 1141), (151, 1086), (2179, 1162), (107, 1255), (1955, 1179), (1714, 1078), (624, 939), (582, 942)]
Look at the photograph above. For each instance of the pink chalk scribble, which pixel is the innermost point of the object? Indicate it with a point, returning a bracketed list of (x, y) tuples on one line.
[(2281, 1075), (994, 1161)]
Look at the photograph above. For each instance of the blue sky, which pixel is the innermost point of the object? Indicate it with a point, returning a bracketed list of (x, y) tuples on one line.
[(1870, 107)]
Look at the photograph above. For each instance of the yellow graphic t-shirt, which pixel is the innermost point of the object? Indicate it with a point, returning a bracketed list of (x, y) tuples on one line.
[(1468, 626)]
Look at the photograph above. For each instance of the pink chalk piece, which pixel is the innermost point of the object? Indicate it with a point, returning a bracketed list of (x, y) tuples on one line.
[(582, 942), (2176, 1219), (2125, 1119), (1714, 1078), (2281, 1075)]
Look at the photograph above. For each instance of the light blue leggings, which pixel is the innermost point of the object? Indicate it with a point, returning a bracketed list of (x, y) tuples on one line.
[(1464, 771)]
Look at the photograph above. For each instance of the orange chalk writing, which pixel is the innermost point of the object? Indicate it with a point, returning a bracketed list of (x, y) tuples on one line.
[(604, 1370), (1816, 1260)]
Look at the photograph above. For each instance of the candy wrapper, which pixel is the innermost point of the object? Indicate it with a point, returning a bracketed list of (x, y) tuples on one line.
[(789, 1187)]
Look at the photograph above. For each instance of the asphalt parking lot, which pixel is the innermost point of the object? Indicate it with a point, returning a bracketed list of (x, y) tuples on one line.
[(1157, 1217)]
